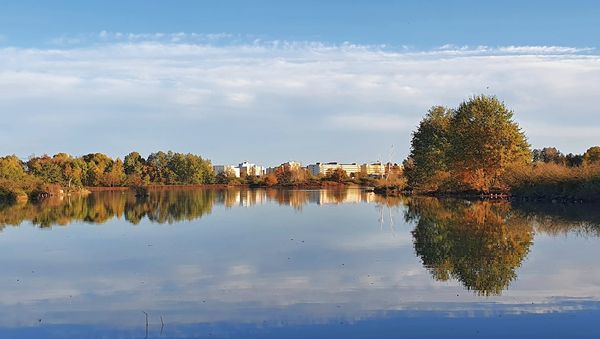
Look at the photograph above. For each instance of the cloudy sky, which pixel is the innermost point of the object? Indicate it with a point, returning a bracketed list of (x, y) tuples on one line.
[(270, 82)]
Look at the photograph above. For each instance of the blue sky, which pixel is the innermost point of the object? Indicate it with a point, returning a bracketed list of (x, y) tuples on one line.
[(422, 24), (271, 81)]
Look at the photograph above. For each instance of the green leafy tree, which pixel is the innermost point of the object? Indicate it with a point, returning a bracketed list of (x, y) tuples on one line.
[(11, 168), (97, 164), (574, 160), (114, 175), (134, 164), (429, 149), (178, 168), (549, 155), (159, 170), (484, 141), (15, 182), (592, 155), (47, 168), (227, 178)]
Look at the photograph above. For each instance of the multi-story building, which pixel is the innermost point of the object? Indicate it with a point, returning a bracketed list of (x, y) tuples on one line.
[(376, 169), (247, 168), (324, 168), (230, 169), (286, 166), (393, 169), (291, 165)]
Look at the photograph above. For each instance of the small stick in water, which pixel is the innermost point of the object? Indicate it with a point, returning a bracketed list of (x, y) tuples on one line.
[(162, 325), (146, 324)]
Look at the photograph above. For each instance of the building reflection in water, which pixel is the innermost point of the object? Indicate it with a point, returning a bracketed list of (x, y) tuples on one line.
[(166, 206), (481, 244)]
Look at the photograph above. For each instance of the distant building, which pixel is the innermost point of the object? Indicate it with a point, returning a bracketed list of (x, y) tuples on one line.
[(376, 169), (232, 170), (247, 168), (286, 166), (393, 169), (324, 168), (291, 165)]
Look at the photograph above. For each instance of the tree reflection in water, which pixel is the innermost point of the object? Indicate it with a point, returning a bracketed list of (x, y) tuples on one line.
[(162, 206), (480, 244)]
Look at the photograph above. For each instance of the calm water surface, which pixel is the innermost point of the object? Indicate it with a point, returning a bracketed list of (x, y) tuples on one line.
[(297, 264)]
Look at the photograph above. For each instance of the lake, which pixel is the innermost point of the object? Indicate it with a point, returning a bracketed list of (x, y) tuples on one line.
[(297, 264)]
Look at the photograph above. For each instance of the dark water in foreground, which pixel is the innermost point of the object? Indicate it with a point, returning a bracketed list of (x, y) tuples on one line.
[(297, 264)]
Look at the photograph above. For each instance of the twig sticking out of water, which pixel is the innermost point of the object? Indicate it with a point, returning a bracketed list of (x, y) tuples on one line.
[(146, 324), (162, 325)]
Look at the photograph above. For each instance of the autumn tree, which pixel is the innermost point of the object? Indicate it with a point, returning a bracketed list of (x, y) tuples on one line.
[(11, 168), (46, 168), (97, 163), (484, 141), (159, 169), (15, 182), (114, 175), (549, 155), (429, 149), (270, 179), (592, 155), (133, 164), (288, 175), (337, 175)]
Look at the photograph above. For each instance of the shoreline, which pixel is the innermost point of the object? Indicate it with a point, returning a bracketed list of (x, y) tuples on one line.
[(507, 196), (317, 185)]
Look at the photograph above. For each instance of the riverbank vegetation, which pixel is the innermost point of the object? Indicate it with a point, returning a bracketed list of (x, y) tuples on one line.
[(17, 185), (62, 173), (475, 149), (546, 179), (42, 176), (478, 149)]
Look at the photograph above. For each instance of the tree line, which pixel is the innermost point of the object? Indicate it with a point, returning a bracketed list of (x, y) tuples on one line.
[(63, 171)]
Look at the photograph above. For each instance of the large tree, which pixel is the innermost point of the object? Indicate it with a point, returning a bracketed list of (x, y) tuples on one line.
[(549, 155), (429, 148), (484, 141), (592, 155)]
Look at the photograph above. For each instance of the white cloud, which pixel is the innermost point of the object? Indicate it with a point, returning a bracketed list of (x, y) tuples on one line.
[(186, 90), (369, 122)]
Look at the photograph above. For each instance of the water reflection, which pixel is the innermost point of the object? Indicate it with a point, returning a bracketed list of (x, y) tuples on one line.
[(555, 219), (238, 262), (161, 207), (164, 206), (479, 244)]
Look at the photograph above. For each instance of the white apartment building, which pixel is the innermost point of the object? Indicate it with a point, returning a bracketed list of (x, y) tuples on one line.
[(376, 169), (247, 168), (286, 166), (323, 168), (227, 168)]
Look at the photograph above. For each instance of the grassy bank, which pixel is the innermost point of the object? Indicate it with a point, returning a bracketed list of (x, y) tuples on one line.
[(552, 182), (537, 182), (30, 190)]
